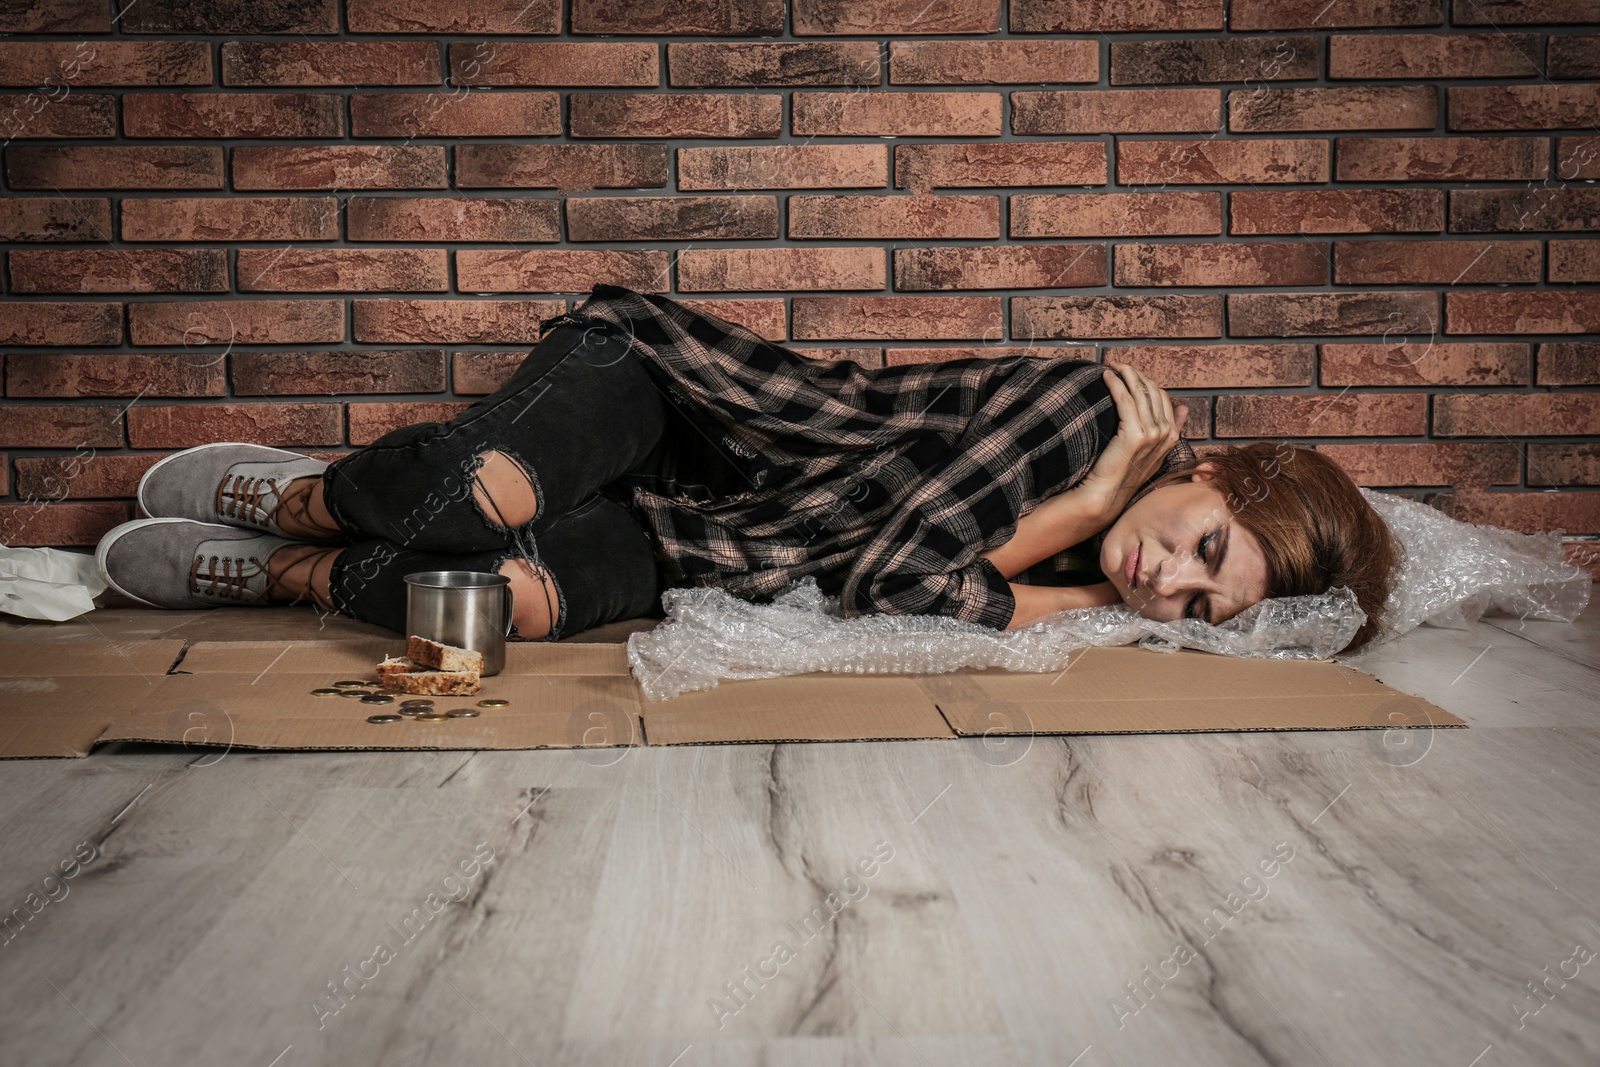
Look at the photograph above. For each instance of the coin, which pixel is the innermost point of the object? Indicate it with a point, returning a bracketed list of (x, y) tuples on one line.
[(461, 713), (493, 702), (416, 703), (377, 698), (351, 685), (326, 692), (432, 716), (356, 693), (383, 718)]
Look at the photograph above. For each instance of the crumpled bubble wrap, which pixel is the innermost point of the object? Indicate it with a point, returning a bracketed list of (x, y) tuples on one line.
[(1453, 572)]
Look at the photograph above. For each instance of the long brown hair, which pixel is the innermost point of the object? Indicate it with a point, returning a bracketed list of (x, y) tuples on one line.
[(1315, 528)]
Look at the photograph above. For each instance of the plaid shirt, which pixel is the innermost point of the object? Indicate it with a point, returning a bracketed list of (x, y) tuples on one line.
[(884, 484)]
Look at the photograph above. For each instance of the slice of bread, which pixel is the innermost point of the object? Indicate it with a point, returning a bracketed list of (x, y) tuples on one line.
[(442, 657), (397, 665), (434, 683)]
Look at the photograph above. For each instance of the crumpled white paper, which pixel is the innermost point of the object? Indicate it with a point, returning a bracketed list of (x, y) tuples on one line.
[(47, 583)]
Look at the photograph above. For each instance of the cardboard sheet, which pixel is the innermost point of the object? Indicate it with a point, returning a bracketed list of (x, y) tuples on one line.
[(63, 698)]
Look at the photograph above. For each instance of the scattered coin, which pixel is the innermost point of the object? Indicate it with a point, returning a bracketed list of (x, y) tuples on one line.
[(326, 692), (383, 718), (377, 698), (416, 703), (412, 713), (462, 713), (351, 685), (493, 702), (356, 693), (432, 716)]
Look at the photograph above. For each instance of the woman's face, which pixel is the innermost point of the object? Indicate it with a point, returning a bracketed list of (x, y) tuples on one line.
[(1192, 558)]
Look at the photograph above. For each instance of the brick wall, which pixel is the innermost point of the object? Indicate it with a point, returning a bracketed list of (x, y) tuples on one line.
[(1370, 226)]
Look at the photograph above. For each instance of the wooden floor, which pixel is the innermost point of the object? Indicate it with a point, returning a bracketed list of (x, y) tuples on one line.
[(1338, 899)]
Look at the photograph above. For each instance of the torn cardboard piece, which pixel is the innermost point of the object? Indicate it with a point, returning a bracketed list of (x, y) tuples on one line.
[(63, 698)]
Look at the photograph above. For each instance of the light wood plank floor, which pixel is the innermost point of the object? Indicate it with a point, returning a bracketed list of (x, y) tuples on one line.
[(1329, 899)]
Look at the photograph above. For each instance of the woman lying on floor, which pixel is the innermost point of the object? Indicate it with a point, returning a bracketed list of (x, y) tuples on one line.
[(643, 445)]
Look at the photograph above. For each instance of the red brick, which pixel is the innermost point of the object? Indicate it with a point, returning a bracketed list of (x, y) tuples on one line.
[(52, 323), (1303, 314), (1343, 14), (894, 216), (712, 18), (114, 374), (1188, 315), (232, 115), (1570, 261), (774, 63), (1577, 158), (221, 322), (1115, 214), (1428, 463), (1262, 263), (457, 218), (342, 166), (36, 115), (1523, 107), (1583, 554), (1322, 415), (1547, 464), (890, 114), (1002, 267), (1433, 56), (763, 317), (782, 269), (1569, 363), (115, 167), (82, 476), (676, 115), (1116, 111), (1546, 207), (1385, 159), (237, 218), (341, 270), (360, 370), (1015, 62), (1435, 262), (925, 167), (1129, 16), (901, 355), (187, 425), (236, 16), (88, 64), (1213, 162), (671, 218), (119, 270), (62, 426), (1210, 60), (816, 17), (452, 16), (293, 63), (1572, 55), (55, 525), (1338, 211), (1524, 512), (1504, 12), (554, 63), (1502, 415), (866, 357), (36, 219), (789, 166), (453, 320), (1221, 366), (561, 270), (571, 168), (1422, 360), (368, 422), (896, 318), (56, 16), (1522, 312), (478, 373), (455, 114), (1387, 107)]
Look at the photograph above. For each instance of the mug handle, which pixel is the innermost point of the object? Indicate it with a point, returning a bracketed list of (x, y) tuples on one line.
[(506, 591)]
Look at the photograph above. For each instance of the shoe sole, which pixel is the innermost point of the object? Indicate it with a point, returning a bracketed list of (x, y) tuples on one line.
[(215, 444), (107, 541)]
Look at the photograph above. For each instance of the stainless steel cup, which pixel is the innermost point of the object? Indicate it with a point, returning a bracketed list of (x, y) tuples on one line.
[(461, 608)]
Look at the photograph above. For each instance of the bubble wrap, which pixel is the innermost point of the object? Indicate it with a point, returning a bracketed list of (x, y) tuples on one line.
[(1453, 572)]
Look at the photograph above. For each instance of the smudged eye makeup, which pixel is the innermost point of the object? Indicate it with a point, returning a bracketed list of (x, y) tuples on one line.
[(1191, 610)]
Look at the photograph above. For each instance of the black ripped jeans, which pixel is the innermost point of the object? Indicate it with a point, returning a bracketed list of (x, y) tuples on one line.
[(579, 412)]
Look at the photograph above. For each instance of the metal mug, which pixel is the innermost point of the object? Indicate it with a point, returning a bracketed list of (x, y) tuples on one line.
[(461, 608)]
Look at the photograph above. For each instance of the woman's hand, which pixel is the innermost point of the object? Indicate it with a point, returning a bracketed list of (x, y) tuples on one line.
[(1147, 430)]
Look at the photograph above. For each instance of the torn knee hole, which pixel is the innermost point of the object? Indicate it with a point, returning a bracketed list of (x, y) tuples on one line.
[(535, 604), (504, 491)]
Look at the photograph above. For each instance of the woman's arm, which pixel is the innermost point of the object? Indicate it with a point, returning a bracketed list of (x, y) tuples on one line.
[(1037, 601), (1057, 524)]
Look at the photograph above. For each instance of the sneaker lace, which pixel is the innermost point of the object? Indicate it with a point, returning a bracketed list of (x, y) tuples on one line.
[(240, 497), (227, 577)]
